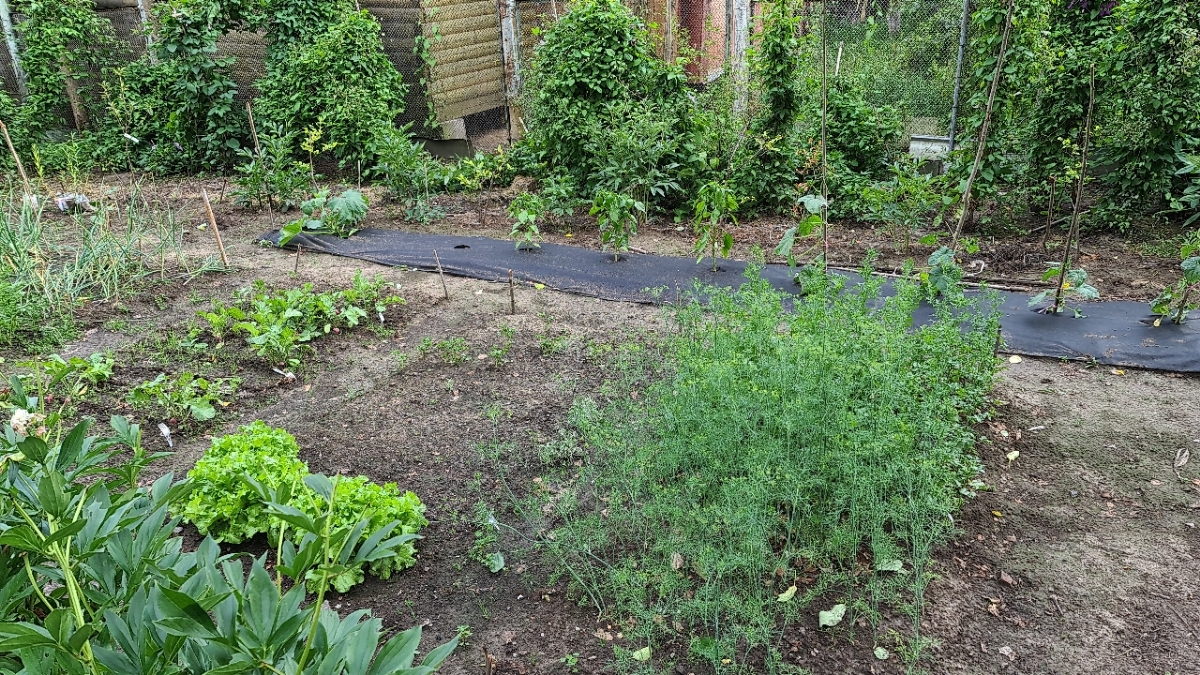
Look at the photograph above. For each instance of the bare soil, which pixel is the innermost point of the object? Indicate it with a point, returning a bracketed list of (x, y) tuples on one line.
[(1084, 557)]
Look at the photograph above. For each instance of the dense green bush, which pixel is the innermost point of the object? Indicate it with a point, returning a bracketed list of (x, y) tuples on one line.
[(338, 82), (771, 443), (596, 88)]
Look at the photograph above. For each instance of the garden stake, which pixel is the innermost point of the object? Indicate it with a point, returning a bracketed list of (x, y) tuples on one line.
[(512, 295), (1049, 214), (445, 291), (296, 269), (1073, 232), (253, 131), (981, 144), (17, 159), (213, 222), (837, 65)]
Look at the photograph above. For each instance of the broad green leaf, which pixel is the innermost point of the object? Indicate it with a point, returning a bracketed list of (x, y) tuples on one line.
[(831, 617)]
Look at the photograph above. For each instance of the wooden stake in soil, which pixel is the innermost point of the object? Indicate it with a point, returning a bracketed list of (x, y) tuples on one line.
[(512, 295), (981, 143), (1049, 214), (296, 269), (1073, 232), (824, 140), (17, 159), (445, 291), (212, 221), (253, 131)]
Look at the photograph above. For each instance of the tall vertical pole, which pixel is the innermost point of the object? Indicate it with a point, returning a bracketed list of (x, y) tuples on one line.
[(144, 12), (10, 38), (958, 70)]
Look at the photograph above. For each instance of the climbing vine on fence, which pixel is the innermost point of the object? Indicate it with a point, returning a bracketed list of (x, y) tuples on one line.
[(65, 48)]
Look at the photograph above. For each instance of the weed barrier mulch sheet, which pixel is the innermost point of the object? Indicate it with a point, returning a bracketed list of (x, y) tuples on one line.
[(1118, 333)]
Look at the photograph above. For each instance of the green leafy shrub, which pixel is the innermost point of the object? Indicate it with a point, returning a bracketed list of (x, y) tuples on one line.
[(618, 216), (410, 174), (864, 135), (185, 394), (713, 207), (596, 73), (832, 435), (339, 81), (1176, 302), (338, 215), (904, 203), (272, 177), (222, 504), (279, 326)]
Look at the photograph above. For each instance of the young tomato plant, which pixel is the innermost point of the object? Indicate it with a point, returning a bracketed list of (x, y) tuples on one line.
[(942, 277), (617, 215), (340, 215), (525, 211), (1074, 285), (713, 208)]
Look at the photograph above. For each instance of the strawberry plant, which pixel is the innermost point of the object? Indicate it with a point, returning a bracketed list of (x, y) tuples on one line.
[(338, 215)]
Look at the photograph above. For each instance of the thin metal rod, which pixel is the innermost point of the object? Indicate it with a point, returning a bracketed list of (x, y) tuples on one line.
[(958, 69)]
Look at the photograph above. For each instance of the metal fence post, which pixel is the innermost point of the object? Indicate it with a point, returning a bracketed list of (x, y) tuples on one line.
[(144, 12), (510, 48), (10, 38), (958, 71)]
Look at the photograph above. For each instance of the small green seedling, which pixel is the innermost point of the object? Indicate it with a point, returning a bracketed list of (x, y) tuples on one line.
[(1074, 285), (713, 208), (1175, 302), (525, 211), (340, 215)]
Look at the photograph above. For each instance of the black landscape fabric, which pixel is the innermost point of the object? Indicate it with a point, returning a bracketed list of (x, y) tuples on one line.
[(1117, 333)]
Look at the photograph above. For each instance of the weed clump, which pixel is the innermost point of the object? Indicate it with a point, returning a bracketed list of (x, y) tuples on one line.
[(818, 444)]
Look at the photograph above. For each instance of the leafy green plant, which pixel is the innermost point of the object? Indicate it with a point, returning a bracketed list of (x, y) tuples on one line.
[(339, 80), (618, 216), (602, 108), (97, 581), (410, 173), (807, 214), (904, 202), (781, 441), (271, 177), (185, 394), (1189, 197), (1072, 285), (941, 279), (68, 377), (713, 207), (453, 351), (279, 326), (486, 537), (340, 215), (1175, 302), (223, 503), (525, 210), (253, 482)]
